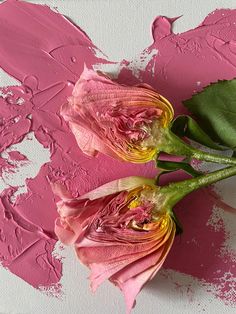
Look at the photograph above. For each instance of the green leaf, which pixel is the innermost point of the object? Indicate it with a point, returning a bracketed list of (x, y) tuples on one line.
[(179, 227), (185, 126), (175, 165), (171, 166), (215, 108)]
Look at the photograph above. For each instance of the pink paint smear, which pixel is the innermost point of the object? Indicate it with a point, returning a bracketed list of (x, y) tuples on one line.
[(46, 53)]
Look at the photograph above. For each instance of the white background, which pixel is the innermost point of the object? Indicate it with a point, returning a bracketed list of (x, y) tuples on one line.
[(121, 29)]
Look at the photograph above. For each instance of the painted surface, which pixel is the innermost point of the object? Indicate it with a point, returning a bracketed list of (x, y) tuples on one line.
[(177, 65)]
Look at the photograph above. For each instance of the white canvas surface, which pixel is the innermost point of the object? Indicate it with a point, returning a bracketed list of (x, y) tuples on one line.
[(121, 29)]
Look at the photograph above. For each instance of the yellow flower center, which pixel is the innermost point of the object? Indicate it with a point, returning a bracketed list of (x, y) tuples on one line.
[(135, 203), (164, 223)]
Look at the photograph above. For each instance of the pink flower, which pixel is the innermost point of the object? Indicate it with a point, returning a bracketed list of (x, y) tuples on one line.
[(122, 231), (121, 121)]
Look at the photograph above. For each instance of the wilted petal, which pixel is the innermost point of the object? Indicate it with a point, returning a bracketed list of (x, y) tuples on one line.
[(116, 120), (88, 142), (63, 232), (124, 184), (61, 191), (120, 231), (132, 287)]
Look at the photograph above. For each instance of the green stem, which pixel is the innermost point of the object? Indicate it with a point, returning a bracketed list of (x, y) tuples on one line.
[(172, 144), (177, 190)]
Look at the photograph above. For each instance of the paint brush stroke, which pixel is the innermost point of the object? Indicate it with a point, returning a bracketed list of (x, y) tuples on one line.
[(47, 53), (46, 85)]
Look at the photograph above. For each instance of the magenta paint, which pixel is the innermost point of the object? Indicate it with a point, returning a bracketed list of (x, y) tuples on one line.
[(184, 64)]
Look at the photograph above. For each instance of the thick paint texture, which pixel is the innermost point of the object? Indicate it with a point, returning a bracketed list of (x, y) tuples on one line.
[(47, 53)]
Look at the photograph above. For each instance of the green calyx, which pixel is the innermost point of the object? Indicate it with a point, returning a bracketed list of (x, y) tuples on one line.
[(177, 190), (173, 145)]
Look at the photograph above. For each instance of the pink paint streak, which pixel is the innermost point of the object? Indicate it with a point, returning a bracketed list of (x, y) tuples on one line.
[(46, 53)]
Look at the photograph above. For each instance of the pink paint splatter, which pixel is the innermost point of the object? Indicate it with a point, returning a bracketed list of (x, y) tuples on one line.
[(46, 53), (46, 85)]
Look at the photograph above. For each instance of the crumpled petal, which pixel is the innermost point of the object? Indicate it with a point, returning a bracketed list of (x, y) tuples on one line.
[(114, 234), (133, 284), (89, 143), (119, 185), (132, 287), (115, 119)]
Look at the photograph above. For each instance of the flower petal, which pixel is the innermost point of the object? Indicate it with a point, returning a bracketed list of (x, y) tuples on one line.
[(61, 191), (89, 143), (119, 185), (132, 287), (121, 231), (134, 284), (65, 235), (115, 119)]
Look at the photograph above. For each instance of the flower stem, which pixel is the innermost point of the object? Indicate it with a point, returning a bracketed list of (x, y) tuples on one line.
[(174, 145), (177, 190)]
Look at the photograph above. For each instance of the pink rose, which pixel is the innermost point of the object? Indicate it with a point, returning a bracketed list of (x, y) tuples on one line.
[(122, 231), (121, 121)]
